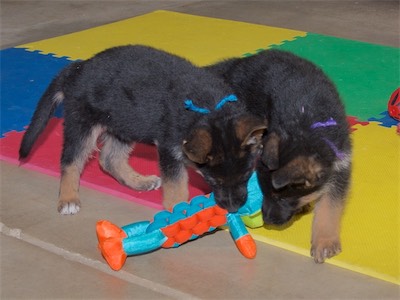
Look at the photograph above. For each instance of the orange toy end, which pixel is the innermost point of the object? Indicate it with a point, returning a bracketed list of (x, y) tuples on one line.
[(113, 252), (105, 230), (110, 238), (247, 246)]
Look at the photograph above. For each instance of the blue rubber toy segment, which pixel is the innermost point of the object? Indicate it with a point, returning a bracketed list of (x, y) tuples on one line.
[(144, 243)]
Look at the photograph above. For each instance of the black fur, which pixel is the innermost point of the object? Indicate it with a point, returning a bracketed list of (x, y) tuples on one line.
[(137, 94), (293, 94)]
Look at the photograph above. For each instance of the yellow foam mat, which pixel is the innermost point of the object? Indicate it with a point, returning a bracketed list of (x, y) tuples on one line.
[(199, 39), (370, 228)]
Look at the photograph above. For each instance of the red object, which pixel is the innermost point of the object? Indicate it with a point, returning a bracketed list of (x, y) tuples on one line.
[(45, 158), (354, 121), (394, 105)]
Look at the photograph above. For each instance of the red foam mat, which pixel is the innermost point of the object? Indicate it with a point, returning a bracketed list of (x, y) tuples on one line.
[(45, 158)]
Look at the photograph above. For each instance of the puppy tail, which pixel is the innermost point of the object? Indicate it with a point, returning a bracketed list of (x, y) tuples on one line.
[(52, 97)]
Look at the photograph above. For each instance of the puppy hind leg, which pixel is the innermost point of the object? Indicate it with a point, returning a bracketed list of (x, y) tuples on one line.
[(76, 152), (68, 201), (174, 178), (114, 157)]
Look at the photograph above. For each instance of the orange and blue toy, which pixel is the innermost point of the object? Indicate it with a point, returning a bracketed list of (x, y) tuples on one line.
[(186, 221)]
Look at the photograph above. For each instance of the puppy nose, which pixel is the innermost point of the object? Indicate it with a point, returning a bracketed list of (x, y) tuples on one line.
[(232, 209), (276, 218), (229, 205), (230, 200), (236, 203)]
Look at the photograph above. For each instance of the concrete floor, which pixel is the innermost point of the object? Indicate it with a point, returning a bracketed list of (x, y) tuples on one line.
[(47, 256)]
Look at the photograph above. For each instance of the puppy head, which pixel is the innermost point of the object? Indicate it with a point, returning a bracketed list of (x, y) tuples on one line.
[(224, 151), (287, 189)]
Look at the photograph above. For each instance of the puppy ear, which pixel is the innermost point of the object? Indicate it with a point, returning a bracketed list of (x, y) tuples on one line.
[(198, 146), (303, 171), (270, 155), (281, 178), (250, 130)]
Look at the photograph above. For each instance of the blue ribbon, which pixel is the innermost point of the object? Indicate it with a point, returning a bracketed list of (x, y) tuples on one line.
[(230, 98), (191, 106)]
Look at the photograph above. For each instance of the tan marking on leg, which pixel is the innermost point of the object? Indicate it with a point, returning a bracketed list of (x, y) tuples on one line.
[(114, 159), (325, 241), (68, 202), (175, 191)]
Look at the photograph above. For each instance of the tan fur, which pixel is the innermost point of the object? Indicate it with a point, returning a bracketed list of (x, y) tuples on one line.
[(198, 146), (309, 199), (254, 136), (114, 159), (307, 166), (68, 202), (325, 241), (301, 170), (175, 191), (249, 131)]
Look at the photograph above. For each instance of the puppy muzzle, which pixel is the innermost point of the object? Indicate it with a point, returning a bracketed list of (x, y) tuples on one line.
[(231, 200), (276, 214)]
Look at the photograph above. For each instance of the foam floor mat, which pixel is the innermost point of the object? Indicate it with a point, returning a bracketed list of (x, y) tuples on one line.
[(365, 74)]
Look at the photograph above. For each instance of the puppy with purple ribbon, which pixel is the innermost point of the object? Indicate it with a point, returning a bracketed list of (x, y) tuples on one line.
[(307, 150), (134, 94)]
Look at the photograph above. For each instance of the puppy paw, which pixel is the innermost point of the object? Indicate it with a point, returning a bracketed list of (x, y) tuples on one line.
[(325, 248), (146, 183), (69, 207), (150, 183)]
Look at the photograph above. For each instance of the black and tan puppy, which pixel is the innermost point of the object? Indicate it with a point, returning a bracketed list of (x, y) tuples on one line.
[(307, 150), (134, 94)]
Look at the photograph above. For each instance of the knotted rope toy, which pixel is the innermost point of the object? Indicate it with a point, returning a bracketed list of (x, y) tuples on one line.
[(186, 222)]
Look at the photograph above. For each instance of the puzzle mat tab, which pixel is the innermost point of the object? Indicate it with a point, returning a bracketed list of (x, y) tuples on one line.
[(370, 238)]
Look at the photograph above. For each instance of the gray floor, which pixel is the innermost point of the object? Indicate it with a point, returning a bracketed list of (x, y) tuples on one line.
[(46, 256)]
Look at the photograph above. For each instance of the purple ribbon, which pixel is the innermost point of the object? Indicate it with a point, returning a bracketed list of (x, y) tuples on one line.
[(330, 122), (339, 154)]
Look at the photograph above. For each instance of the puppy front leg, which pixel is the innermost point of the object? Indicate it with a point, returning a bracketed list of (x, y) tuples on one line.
[(174, 178), (325, 241)]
